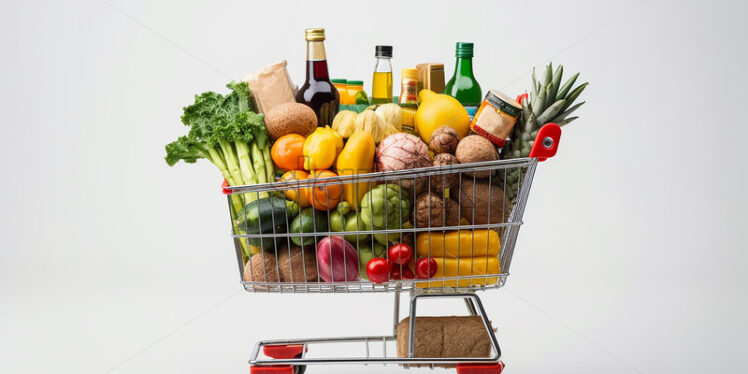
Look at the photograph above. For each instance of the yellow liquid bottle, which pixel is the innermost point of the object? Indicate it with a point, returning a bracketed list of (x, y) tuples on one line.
[(381, 87)]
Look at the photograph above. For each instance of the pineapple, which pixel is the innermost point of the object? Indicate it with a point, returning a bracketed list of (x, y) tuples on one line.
[(547, 102)]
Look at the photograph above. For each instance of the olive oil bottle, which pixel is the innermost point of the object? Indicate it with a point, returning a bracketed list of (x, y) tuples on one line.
[(381, 86)]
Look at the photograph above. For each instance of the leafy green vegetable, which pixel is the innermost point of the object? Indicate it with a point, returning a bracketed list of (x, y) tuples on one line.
[(225, 130)]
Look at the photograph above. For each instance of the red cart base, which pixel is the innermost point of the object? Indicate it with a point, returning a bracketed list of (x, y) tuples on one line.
[(496, 368)]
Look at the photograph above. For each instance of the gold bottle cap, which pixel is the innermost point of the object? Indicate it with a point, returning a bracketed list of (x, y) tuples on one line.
[(315, 34)]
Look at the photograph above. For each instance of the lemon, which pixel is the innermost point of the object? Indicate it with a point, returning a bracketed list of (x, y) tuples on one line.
[(439, 110)]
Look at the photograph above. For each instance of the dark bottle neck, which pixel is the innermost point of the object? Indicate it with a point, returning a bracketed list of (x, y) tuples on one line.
[(316, 66), (464, 67)]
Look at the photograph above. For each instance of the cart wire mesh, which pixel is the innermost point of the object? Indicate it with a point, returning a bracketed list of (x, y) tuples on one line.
[(464, 217)]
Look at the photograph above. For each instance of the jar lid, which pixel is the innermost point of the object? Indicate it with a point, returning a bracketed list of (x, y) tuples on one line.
[(314, 34), (464, 49), (383, 51), (356, 83), (504, 102), (409, 73), (338, 80)]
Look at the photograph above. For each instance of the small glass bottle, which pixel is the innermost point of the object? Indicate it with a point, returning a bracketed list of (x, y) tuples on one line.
[(463, 86), (318, 92), (381, 87)]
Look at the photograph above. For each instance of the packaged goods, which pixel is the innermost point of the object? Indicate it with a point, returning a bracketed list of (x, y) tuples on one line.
[(496, 117), (431, 77), (409, 87), (342, 86), (271, 86)]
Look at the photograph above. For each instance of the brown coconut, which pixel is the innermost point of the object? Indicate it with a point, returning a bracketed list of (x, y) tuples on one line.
[(475, 148), (476, 211), (293, 263), (254, 271), (290, 118), (433, 211)]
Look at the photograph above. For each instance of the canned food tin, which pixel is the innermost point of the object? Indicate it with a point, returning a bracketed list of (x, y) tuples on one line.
[(496, 117)]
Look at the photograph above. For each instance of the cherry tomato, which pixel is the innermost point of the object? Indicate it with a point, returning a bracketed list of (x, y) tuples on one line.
[(401, 272), (521, 97), (425, 267), (378, 270), (400, 253), (287, 153)]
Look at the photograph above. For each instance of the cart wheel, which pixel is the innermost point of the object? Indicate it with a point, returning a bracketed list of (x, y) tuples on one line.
[(487, 368), (299, 369)]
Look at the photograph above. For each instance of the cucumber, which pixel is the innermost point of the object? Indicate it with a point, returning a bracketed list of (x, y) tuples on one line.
[(269, 215), (308, 220)]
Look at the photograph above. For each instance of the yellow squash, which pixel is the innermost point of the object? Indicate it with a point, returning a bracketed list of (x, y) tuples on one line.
[(464, 267), (321, 148), (357, 157), (463, 243)]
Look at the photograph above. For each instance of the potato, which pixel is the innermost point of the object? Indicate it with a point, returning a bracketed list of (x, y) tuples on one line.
[(444, 140), (293, 263), (254, 271), (441, 182)]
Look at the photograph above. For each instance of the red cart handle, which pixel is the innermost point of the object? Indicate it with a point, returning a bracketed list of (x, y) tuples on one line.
[(546, 143), (225, 187)]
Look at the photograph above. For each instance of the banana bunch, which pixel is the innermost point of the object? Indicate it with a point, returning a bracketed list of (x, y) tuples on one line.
[(547, 102)]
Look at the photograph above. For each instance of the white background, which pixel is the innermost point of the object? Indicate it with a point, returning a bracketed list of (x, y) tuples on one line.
[(632, 258)]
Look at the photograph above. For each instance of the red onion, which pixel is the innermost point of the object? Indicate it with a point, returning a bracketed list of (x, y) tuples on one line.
[(336, 257)]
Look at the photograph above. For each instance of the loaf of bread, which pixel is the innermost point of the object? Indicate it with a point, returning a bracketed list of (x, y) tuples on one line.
[(445, 337)]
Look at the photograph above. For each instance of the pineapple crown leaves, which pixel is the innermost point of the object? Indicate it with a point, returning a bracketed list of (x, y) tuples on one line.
[(549, 100)]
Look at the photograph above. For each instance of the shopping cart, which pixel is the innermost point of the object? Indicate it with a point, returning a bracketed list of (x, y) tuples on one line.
[(490, 201)]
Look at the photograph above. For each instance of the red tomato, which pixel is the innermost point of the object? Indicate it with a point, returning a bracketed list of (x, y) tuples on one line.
[(378, 270), (425, 267), (401, 272), (400, 253)]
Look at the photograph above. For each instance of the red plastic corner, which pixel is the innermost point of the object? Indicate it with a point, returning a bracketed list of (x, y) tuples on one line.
[(275, 369), (283, 351), (225, 187), (546, 143), (480, 368)]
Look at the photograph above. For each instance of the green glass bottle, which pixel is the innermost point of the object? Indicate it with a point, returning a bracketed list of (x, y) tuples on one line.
[(463, 86)]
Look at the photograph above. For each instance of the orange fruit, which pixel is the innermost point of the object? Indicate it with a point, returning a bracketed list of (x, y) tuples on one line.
[(287, 152), (298, 194), (325, 196)]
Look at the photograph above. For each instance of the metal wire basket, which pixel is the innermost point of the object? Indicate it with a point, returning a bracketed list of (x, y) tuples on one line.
[(465, 218), (476, 210)]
